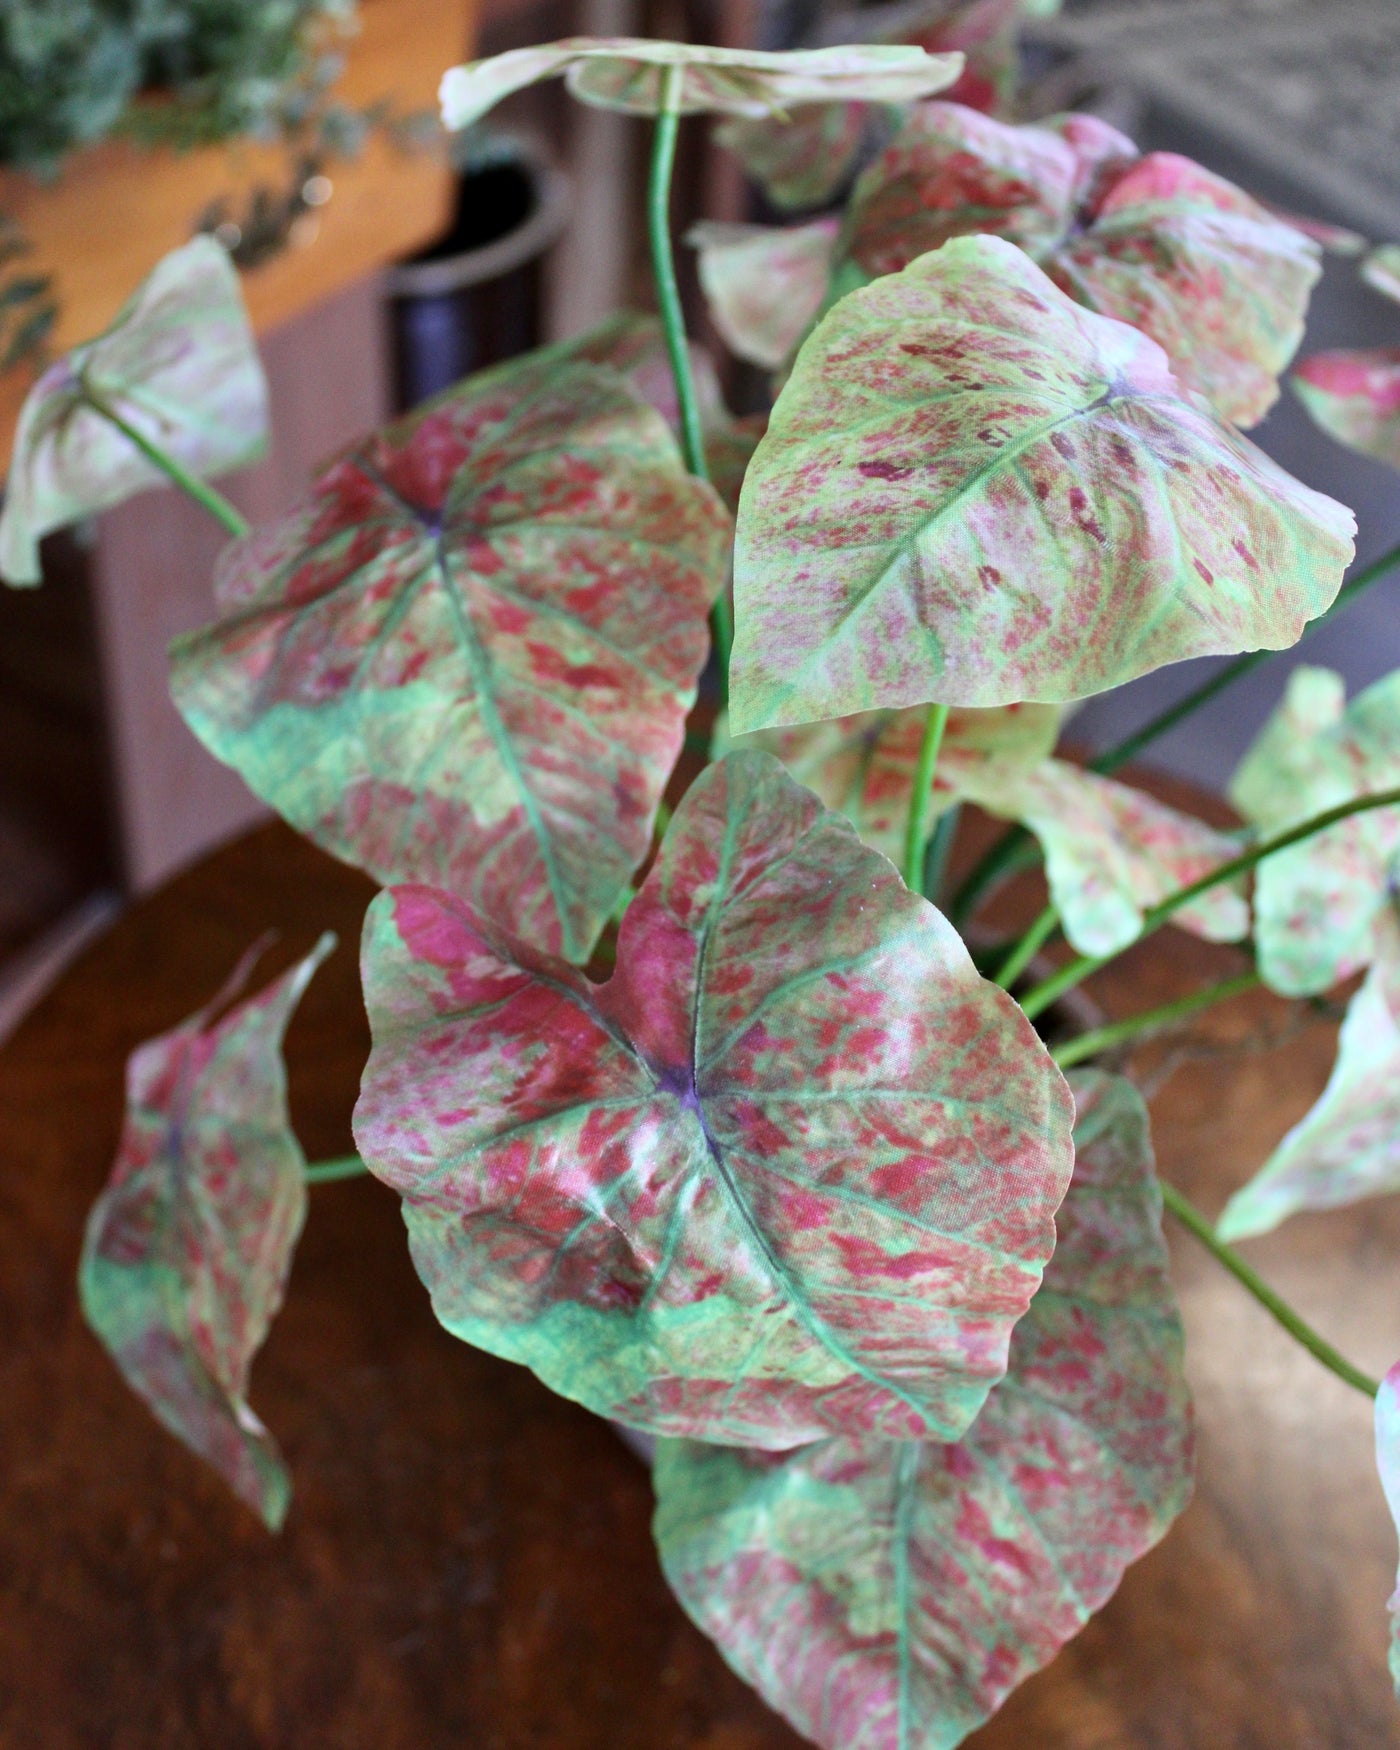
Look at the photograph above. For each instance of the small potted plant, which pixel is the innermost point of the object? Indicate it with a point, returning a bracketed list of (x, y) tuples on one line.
[(702, 1107)]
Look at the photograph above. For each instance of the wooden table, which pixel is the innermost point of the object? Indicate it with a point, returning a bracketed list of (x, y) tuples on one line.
[(467, 1562)]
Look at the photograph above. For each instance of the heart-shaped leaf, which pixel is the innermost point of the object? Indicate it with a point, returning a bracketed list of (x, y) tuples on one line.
[(790, 1171), (1355, 398), (864, 766), (187, 1250), (468, 657), (1218, 281), (1348, 1145), (1317, 905), (764, 284), (179, 364), (887, 1595), (633, 344), (629, 73), (973, 490), (1388, 1464)]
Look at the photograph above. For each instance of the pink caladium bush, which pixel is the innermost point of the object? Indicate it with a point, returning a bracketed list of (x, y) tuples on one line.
[(706, 1097)]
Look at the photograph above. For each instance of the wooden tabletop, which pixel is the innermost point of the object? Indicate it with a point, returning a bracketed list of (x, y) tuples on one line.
[(467, 1564)]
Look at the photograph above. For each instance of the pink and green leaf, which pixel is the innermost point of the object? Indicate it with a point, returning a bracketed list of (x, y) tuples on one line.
[(468, 657), (804, 159), (1219, 282), (764, 284), (179, 364), (1388, 1464), (633, 344), (1355, 398), (791, 1171), (1348, 1146), (629, 73), (887, 1595), (974, 491), (187, 1250), (1319, 904)]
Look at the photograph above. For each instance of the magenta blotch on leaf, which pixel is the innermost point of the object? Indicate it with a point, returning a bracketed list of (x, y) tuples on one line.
[(467, 658), (790, 1172), (1355, 398), (888, 1595), (974, 491), (187, 1250)]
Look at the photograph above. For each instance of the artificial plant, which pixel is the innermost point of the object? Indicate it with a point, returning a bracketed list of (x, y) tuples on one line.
[(699, 1104)]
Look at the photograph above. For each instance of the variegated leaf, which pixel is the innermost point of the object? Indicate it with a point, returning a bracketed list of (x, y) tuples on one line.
[(764, 284), (790, 1171), (887, 1595), (973, 490), (804, 159), (179, 364), (187, 1250), (1355, 398), (1218, 281), (468, 657), (1348, 1145), (864, 766), (1317, 905), (633, 344), (1388, 1464), (629, 73)]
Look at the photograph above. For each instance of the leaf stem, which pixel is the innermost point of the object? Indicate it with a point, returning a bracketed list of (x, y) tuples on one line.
[(668, 299), (1190, 1217), (916, 830), (327, 1172), (1028, 947), (1114, 1033), (199, 490), (940, 846), (1155, 916), (1016, 850)]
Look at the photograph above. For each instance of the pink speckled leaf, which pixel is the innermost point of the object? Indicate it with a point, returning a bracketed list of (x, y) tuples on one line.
[(633, 344), (468, 657), (628, 73), (790, 1171), (888, 1595), (973, 490), (764, 284), (1388, 1464), (179, 364), (1355, 398), (1317, 905), (187, 1250), (1348, 1146), (864, 766), (1111, 851), (804, 159), (1218, 281)]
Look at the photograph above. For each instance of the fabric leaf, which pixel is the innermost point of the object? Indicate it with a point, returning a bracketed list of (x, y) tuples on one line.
[(764, 284), (468, 657), (1218, 281), (1388, 1464), (187, 1250), (973, 490), (1348, 1146), (790, 1171), (888, 1595), (628, 73), (1318, 904), (1355, 398), (179, 363)]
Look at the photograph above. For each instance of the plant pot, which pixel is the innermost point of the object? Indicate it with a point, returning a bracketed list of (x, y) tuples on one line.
[(475, 298)]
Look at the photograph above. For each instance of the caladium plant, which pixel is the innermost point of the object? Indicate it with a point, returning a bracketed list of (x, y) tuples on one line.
[(698, 1103)]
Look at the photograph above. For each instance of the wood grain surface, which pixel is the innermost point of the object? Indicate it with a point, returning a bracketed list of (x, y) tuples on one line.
[(467, 1560)]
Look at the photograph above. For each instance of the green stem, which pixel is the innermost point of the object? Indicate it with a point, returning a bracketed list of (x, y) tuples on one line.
[(1155, 916), (940, 847), (1028, 947), (199, 490), (1115, 1033), (1190, 1217), (668, 299), (1017, 850), (921, 797), (327, 1172)]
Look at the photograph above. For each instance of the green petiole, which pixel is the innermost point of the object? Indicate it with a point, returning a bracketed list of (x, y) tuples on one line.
[(1115, 1033), (199, 490), (920, 797)]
